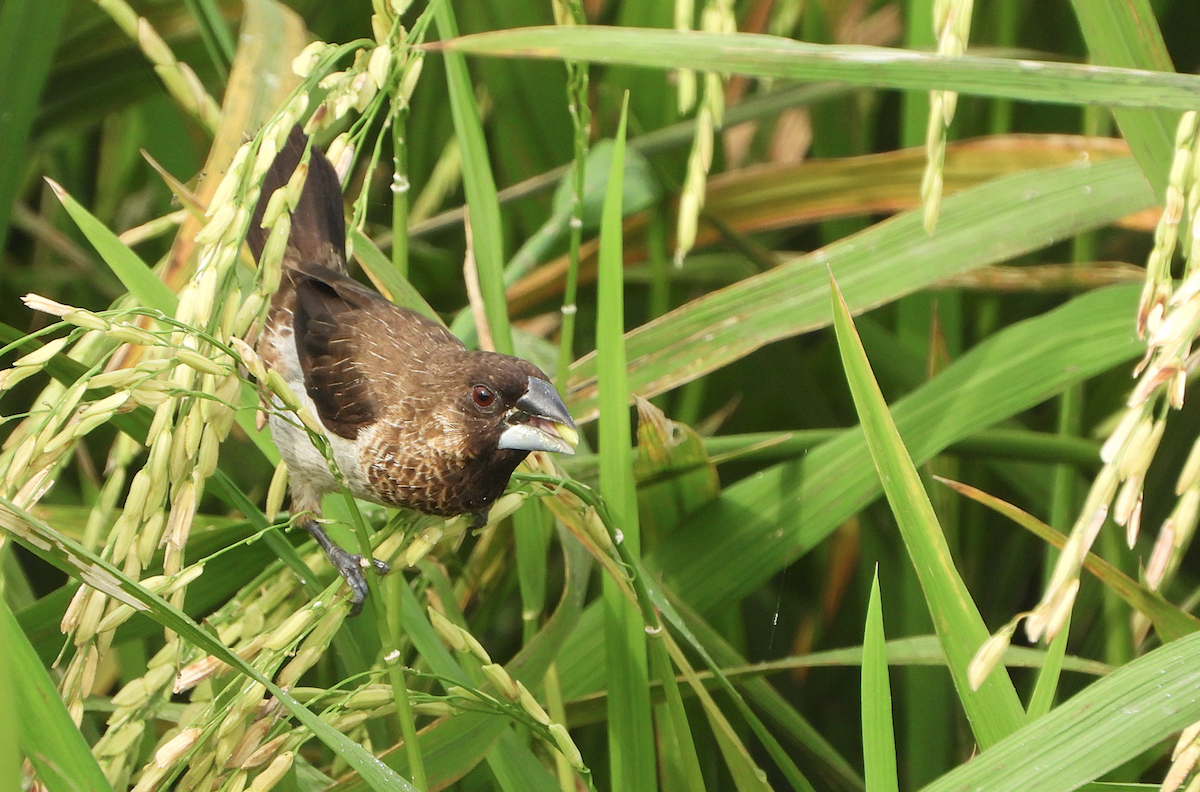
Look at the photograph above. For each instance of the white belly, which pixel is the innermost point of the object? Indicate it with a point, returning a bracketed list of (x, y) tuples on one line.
[(308, 470)]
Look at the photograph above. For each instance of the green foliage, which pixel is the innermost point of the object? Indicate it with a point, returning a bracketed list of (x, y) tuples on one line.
[(689, 606)]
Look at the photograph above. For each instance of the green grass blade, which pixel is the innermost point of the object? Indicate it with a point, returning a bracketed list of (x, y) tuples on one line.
[(1125, 33), (10, 712), (1109, 723), (78, 561), (213, 32), (916, 650), (28, 35), (829, 763), (480, 186), (786, 510), (454, 746), (877, 67), (994, 710), (656, 594), (516, 767), (47, 735), (1170, 621), (747, 776), (763, 523), (879, 741), (680, 765), (1047, 682), (1015, 214), (141, 281), (630, 731)]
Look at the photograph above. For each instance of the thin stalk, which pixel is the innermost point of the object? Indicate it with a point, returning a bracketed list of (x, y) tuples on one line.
[(391, 652), (660, 264), (581, 118), (558, 713), (1007, 18), (400, 187)]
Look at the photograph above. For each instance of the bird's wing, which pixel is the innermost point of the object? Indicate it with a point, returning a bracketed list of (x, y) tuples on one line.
[(329, 327), (360, 354), (318, 223)]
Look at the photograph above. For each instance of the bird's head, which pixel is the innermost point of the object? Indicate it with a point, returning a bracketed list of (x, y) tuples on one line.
[(512, 408), (500, 409)]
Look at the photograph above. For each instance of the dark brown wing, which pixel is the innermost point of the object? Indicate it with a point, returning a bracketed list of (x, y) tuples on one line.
[(363, 358), (330, 317), (318, 225)]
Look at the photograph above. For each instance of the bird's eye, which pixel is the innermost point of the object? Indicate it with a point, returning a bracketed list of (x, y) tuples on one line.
[(483, 396)]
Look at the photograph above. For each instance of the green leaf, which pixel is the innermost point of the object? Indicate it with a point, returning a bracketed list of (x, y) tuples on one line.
[(1125, 33), (516, 767), (878, 67), (391, 284), (993, 709), (1109, 723), (1169, 620), (10, 712), (639, 186), (630, 731), (680, 764), (480, 186), (763, 523), (78, 561), (47, 735), (747, 776), (141, 281), (674, 473), (1042, 699), (879, 742), (786, 510), (990, 223), (28, 35), (452, 747)]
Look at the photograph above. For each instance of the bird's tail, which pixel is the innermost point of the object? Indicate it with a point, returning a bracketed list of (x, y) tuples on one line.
[(318, 232)]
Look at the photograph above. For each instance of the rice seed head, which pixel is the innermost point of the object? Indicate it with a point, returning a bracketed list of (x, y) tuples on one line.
[(42, 355), (151, 778), (1058, 616), (298, 666), (276, 491), (200, 363), (435, 709), (249, 743), (990, 653), (173, 749), (287, 633), (422, 544), (370, 698), (1164, 545), (503, 682), (531, 706), (150, 537), (304, 63), (1181, 766), (566, 746), (412, 75), (449, 632), (380, 65)]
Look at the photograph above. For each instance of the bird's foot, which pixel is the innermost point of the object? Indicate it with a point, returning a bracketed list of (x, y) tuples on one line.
[(349, 565)]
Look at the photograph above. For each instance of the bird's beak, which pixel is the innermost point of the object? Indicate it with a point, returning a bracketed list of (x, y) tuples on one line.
[(540, 422)]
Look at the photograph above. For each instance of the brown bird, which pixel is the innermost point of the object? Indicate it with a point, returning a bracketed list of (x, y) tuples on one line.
[(414, 418)]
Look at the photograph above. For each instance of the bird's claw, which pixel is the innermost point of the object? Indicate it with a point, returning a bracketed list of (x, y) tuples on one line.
[(350, 566)]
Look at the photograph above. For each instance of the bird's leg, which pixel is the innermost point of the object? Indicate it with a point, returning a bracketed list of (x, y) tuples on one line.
[(349, 565)]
